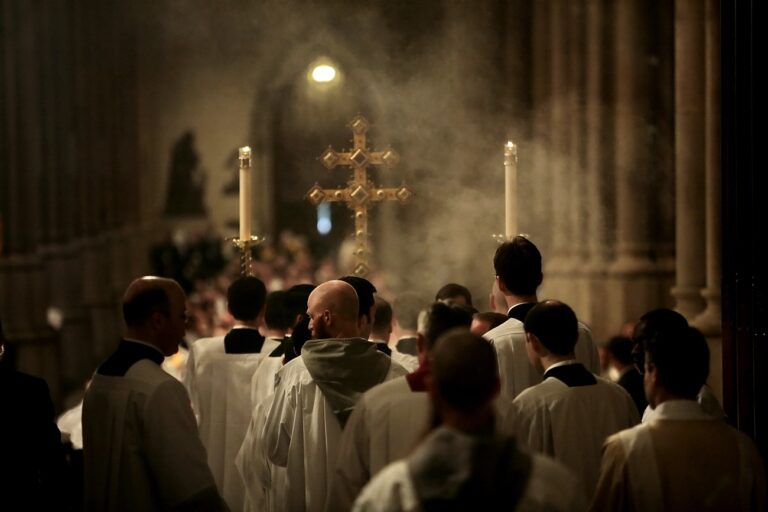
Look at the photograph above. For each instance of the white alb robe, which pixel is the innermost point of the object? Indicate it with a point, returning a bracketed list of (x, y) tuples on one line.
[(264, 482), (142, 449), (550, 488), (387, 423), (407, 361), (302, 434), (570, 424), (682, 459), (706, 399), (220, 391), (515, 369), (71, 423)]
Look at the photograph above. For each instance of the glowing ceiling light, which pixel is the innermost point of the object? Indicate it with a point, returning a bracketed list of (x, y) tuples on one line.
[(323, 73)]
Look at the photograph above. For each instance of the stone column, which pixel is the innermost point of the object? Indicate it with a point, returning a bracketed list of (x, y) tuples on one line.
[(558, 266), (690, 138), (633, 283), (541, 84), (710, 321), (23, 293), (598, 152), (576, 177)]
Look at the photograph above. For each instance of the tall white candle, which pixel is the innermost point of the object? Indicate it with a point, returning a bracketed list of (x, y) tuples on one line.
[(245, 193), (510, 189)]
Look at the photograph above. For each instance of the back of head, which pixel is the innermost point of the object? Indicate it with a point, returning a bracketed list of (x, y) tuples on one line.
[(276, 315), (246, 298), (382, 318), (407, 307), (620, 347), (454, 292), (658, 320), (555, 325), (518, 265), (296, 301), (441, 317), (339, 298), (464, 370), (143, 299), (365, 291), (681, 358)]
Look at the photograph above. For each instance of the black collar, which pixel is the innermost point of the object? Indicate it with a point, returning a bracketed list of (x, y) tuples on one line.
[(407, 346), (572, 375), (243, 341), (519, 311), (127, 354)]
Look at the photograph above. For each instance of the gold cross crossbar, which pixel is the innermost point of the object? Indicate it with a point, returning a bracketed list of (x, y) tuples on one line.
[(360, 193)]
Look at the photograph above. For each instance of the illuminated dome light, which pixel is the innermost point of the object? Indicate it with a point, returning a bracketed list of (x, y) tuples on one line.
[(323, 73)]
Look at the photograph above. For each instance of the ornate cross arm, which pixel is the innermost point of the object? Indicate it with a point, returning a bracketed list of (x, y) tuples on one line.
[(360, 193)]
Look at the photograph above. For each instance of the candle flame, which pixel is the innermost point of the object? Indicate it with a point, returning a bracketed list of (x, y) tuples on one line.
[(245, 152)]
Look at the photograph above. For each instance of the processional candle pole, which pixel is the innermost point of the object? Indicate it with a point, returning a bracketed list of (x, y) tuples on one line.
[(246, 240)]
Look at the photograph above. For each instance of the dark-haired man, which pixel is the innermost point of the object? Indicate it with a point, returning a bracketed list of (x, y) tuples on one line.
[(456, 293), (681, 459), (518, 273), (218, 377), (570, 413), (663, 320), (141, 447), (390, 418), (366, 298), (466, 462)]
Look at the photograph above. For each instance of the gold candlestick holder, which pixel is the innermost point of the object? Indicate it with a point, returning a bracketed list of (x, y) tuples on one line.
[(245, 246)]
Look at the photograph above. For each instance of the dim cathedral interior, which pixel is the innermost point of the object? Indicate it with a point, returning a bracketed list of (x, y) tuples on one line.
[(121, 123)]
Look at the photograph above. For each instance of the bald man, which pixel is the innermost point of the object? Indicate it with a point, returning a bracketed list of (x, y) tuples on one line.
[(141, 447), (315, 394)]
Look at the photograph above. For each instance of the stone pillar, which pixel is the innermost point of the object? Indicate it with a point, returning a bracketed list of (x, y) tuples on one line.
[(541, 83), (558, 267), (710, 321), (558, 146), (690, 138), (577, 292), (632, 284), (598, 154), (23, 294)]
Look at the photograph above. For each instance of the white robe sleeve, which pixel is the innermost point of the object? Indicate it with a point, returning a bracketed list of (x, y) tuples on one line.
[(280, 423)]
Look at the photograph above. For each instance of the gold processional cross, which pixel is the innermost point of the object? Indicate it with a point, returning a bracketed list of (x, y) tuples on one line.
[(360, 193)]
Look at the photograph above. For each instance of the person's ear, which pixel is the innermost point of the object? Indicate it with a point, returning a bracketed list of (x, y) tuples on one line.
[(652, 372), (501, 285), (158, 319), (534, 342)]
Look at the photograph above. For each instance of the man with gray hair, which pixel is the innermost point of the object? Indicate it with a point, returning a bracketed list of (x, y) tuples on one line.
[(316, 392)]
